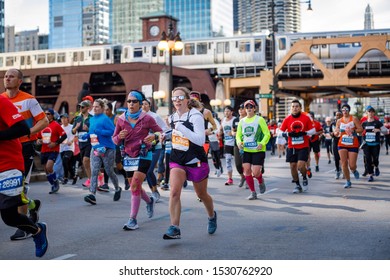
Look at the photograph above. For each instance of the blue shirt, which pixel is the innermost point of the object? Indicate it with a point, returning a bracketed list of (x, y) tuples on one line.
[(103, 127)]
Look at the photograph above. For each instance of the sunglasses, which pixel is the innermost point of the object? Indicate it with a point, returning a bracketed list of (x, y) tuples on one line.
[(134, 101), (178, 98), (48, 114), (345, 109), (249, 107), (82, 107)]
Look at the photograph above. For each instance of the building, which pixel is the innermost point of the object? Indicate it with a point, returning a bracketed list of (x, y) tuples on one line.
[(2, 42), (368, 18), (202, 18), (256, 15), (76, 23), (125, 18)]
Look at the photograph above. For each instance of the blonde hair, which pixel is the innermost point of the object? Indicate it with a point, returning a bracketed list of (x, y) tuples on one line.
[(191, 102)]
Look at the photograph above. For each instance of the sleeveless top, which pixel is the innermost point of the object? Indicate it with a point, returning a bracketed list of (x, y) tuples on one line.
[(348, 141)]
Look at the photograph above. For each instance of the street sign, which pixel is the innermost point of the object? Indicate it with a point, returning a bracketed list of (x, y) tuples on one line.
[(265, 95)]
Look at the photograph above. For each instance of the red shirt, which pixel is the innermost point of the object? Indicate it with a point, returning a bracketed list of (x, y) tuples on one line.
[(11, 156), (272, 129), (300, 124), (317, 125), (51, 133)]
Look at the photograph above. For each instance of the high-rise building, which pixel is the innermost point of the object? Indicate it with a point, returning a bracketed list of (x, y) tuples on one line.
[(2, 26), (256, 15), (368, 18), (202, 18), (76, 23), (126, 25), (26, 40)]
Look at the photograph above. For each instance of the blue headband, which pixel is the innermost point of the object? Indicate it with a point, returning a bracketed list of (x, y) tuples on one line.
[(136, 95)]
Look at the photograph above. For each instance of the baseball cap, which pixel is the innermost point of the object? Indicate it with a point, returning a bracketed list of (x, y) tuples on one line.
[(251, 102), (88, 97), (64, 115), (51, 111), (195, 94), (370, 108), (85, 103)]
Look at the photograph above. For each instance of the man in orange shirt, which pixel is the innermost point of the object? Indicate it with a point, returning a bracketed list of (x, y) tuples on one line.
[(36, 119)]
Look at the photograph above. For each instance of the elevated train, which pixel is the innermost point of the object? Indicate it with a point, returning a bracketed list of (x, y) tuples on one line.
[(221, 55)]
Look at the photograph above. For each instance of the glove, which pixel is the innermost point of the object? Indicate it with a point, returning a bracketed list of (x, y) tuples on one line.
[(284, 134), (296, 134)]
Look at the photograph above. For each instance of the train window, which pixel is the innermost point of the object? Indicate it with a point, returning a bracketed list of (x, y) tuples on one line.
[(96, 55), (61, 57), (28, 60), (189, 49), (108, 56), (357, 44), (51, 58), (227, 47), (1, 62), (137, 52), (9, 61), (180, 52), (344, 45), (154, 51), (244, 46), (387, 47), (257, 45), (41, 59), (22, 60), (282, 43), (75, 57), (201, 48), (220, 46)]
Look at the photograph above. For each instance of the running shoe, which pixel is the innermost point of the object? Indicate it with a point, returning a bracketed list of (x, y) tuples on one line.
[(40, 240), (173, 232), (165, 187), (262, 186), (218, 172), (348, 185), (252, 196), (156, 196), (131, 224), (34, 215), (370, 179), (20, 235), (127, 184), (317, 168), (229, 182), (308, 172), (298, 189), (150, 207), (305, 182), (185, 184), (356, 174), (377, 172), (90, 199), (103, 188), (305, 188), (87, 183), (65, 181), (117, 194), (242, 182), (55, 187), (337, 175), (329, 161), (212, 225), (74, 181), (365, 173)]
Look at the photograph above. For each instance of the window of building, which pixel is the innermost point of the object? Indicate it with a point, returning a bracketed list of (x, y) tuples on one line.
[(58, 21)]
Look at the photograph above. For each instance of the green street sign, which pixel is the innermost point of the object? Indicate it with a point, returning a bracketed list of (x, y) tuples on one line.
[(265, 95)]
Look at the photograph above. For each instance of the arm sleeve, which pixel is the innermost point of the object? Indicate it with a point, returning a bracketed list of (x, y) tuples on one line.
[(265, 130), (15, 131)]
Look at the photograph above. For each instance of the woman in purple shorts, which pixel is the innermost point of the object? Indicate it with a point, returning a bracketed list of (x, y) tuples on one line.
[(188, 160)]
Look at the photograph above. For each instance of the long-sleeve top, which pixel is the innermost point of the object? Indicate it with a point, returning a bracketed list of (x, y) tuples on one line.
[(253, 129), (133, 140), (102, 126)]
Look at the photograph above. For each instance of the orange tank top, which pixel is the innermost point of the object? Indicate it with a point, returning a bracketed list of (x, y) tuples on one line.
[(348, 141)]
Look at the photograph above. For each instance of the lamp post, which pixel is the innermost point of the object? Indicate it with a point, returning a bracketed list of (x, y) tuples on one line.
[(274, 87), (170, 42)]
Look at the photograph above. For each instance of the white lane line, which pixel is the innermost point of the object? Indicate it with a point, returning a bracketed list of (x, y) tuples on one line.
[(64, 257)]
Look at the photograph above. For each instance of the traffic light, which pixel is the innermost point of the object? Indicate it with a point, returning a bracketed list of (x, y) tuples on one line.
[(339, 105)]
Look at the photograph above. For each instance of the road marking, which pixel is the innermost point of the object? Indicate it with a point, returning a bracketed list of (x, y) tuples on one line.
[(271, 190), (64, 257)]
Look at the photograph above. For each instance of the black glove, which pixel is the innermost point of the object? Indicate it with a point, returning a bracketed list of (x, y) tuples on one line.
[(296, 134)]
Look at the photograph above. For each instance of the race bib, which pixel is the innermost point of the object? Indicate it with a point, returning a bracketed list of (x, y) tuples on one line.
[(347, 140), (46, 137), (297, 140), (11, 182), (179, 142), (130, 164), (370, 137), (94, 139), (250, 145)]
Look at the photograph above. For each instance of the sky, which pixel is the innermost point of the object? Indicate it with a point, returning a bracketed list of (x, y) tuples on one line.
[(327, 15)]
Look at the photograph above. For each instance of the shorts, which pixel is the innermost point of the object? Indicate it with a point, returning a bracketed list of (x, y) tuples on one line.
[(228, 150), (194, 174), (45, 157), (85, 151), (352, 149), (254, 158), (315, 146), (143, 167), (295, 155)]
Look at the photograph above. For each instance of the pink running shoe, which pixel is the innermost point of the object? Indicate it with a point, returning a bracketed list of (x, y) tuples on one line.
[(87, 183), (229, 182)]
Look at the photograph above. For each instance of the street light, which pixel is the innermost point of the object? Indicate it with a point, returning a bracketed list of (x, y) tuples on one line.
[(170, 42), (274, 87)]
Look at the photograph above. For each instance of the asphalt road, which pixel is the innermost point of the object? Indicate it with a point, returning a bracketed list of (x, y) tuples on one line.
[(326, 223)]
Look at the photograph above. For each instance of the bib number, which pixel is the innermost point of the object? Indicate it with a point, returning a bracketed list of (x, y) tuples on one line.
[(250, 145), (297, 140), (179, 142), (130, 164), (11, 182), (94, 139), (46, 138), (347, 140), (370, 137), (80, 135)]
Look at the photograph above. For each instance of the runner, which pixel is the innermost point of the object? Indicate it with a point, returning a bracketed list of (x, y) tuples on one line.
[(226, 130)]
